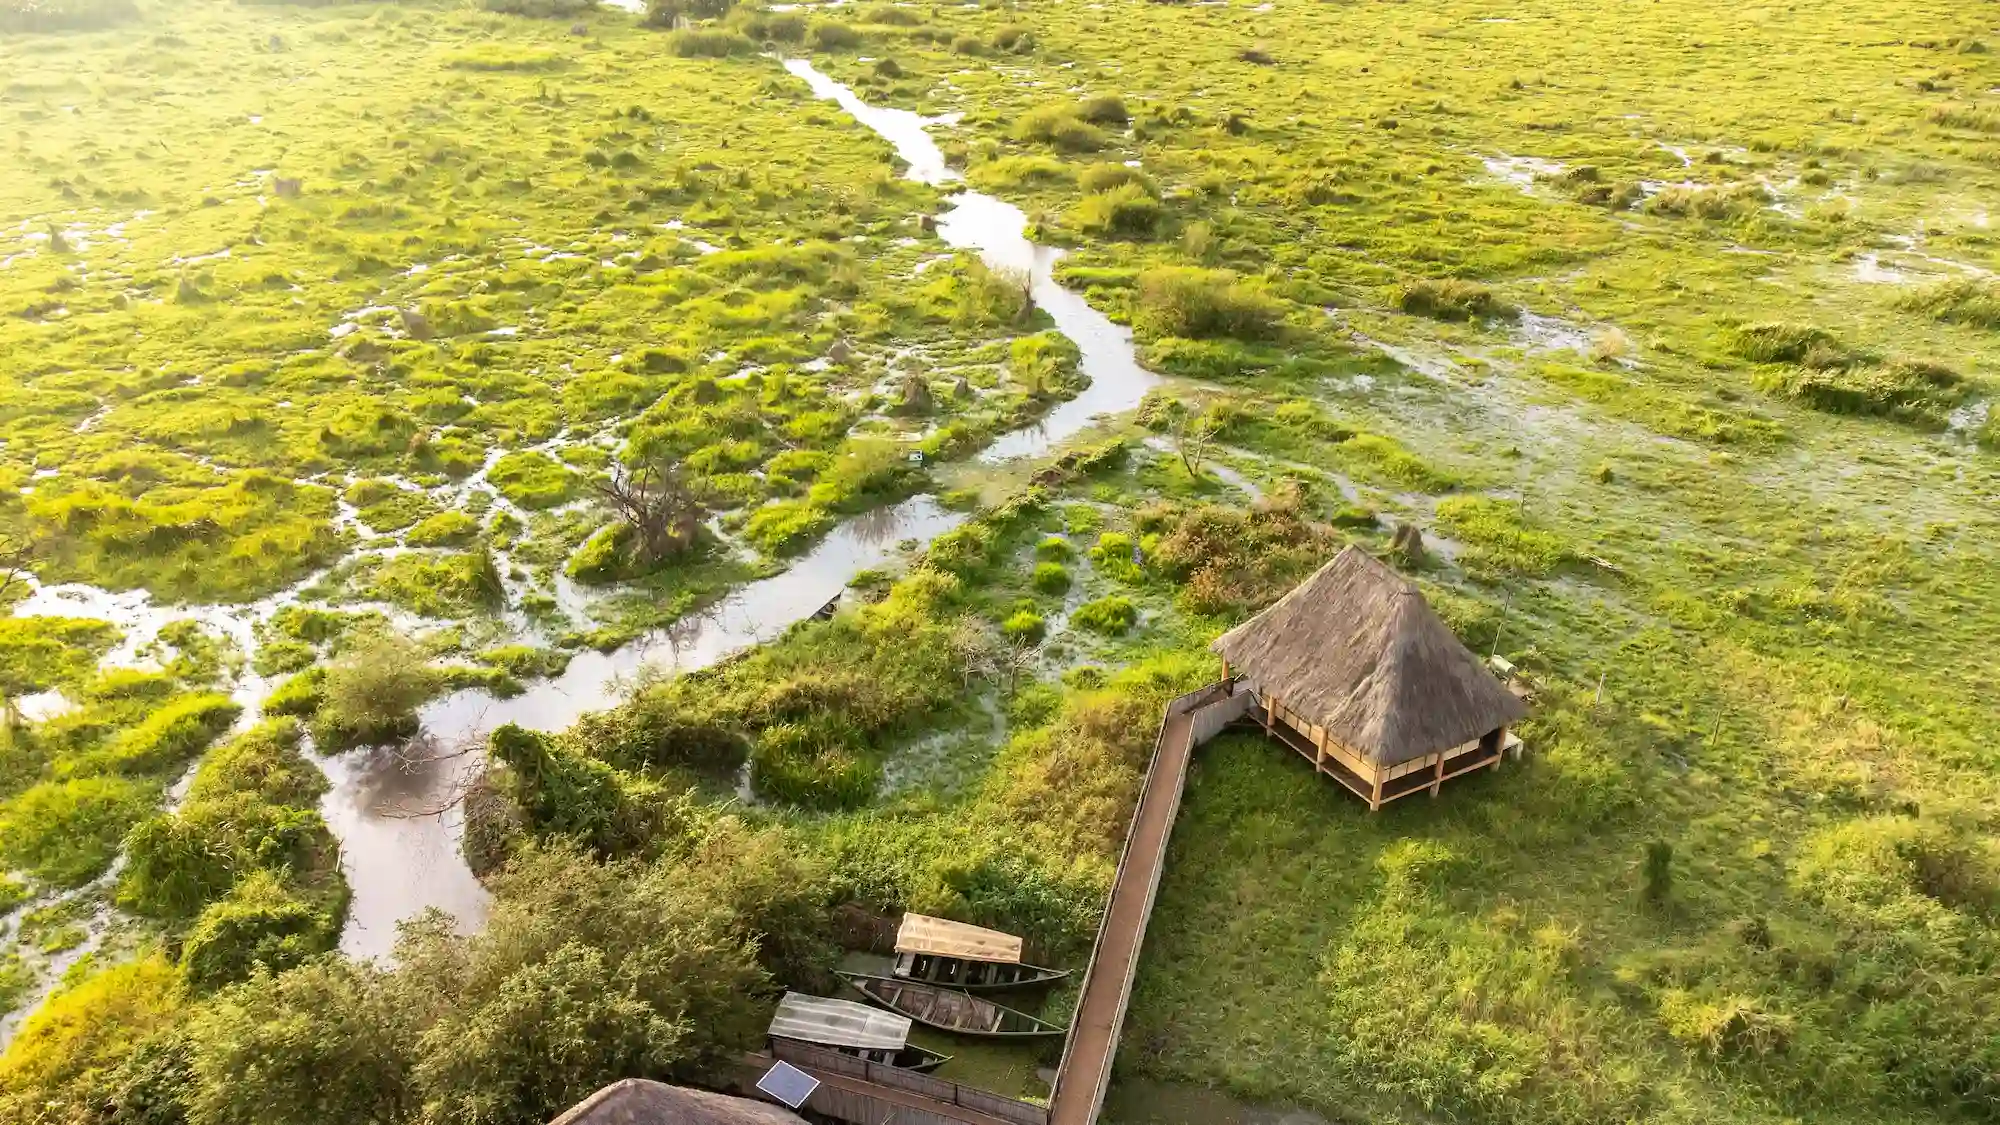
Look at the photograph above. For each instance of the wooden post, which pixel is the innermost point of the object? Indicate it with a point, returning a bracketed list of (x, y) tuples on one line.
[(1270, 709), (1437, 777), (1375, 798), (1227, 687), (1500, 755)]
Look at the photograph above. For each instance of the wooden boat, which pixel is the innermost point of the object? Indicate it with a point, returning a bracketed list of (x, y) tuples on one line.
[(852, 1029), (956, 955), (948, 1009)]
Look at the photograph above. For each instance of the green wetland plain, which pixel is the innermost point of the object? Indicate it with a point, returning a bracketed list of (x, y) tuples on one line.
[(427, 431)]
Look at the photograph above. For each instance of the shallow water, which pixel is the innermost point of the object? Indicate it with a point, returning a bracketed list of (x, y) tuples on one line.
[(995, 229), (395, 811)]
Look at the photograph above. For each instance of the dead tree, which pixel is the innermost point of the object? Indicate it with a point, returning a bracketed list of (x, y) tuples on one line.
[(654, 501)]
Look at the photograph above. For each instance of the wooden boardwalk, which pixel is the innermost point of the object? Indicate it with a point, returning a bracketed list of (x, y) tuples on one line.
[(857, 1091), (1085, 1072)]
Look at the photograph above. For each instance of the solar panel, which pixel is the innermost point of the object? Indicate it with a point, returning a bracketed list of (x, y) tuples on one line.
[(788, 1084)]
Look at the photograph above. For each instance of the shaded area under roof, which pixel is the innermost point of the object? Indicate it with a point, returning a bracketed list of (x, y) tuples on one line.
[(921, 933), (1356, 649), (839, 1023), (641, 1101)]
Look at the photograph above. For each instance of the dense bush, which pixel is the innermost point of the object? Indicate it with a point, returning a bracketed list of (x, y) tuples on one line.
[(713, 43), (1114, 614), (1124, 211), (1062, 126), (1228, 560), (1452, 299), (250, 808), (1199, 303), (369, 695), (262, 924), (1775, 342), (68, 832), (826, 35)]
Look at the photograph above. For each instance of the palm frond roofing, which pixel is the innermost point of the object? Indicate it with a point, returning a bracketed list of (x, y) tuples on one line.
[(1356, 649)]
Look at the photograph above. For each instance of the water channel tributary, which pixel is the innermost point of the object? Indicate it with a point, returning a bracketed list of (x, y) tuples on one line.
[(399, 831)]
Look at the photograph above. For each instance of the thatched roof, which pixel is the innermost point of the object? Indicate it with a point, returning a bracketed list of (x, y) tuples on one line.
[(638, 1101), (1356, 649), (921, 933)]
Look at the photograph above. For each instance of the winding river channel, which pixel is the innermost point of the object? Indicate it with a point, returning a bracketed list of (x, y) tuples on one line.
[(393, 813)]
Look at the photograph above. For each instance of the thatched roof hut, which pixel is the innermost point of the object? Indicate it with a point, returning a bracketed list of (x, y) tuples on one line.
[(639, 1101), (1356, 665)]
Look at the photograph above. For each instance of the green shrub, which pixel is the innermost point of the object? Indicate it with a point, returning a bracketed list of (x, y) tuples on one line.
[(1054, 547), (1714, 203), (891, 15), (785, 526), (445, 529), (298, 695), (1452, 299), (1013, 37), (968, 45), (1113, 615), (1051, 578), (534, 480), (260, 925), (812, 765), (1125, 211), (1787, 343), (1103, 109), (169, 737), (1059, 125), (1107, 176), (1200, 303), (1024, 626), (68, 832), (825, 35), (710, 43), (369, 696)]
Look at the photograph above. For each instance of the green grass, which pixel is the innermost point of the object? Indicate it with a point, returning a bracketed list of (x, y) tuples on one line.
[(1761, 617)]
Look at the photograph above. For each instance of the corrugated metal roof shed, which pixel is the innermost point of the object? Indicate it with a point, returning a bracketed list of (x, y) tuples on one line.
[(839, 1023)]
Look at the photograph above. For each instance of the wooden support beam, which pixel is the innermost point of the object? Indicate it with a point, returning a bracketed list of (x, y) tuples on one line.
[(1375, 795), (1437, 777), (1270, 709)]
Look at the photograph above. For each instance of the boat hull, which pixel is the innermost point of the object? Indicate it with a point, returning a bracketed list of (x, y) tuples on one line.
[(973, 976), (948, 1009)]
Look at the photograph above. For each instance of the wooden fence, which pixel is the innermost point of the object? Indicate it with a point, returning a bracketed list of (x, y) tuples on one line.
[(946, 1094)]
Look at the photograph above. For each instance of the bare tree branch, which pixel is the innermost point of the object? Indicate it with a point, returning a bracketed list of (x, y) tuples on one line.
[(654, 501)]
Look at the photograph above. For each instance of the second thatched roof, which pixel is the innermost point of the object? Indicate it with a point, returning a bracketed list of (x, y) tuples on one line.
[(640, 1101), (1357, 650)]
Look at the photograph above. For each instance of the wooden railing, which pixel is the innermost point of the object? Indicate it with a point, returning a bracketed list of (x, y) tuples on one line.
[(923, 1085), (1205, 721)]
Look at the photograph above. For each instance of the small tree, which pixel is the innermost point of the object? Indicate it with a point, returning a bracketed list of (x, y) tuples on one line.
[(1194, 436), (372, 691), (1658, 871), (653, 500)]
